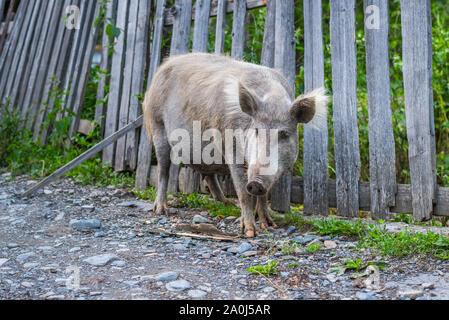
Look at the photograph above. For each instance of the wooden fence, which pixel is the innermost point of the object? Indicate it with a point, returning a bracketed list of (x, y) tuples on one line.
[(40, 49)]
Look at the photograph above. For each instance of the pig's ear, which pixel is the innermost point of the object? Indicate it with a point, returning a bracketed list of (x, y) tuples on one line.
[(303, 110), (247, 100), (311, 109)]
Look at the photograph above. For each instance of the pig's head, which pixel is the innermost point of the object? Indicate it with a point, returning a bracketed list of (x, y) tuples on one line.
[(272, 139)]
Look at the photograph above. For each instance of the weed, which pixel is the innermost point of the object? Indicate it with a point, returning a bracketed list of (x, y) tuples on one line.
[(312, 248), (269, 268)]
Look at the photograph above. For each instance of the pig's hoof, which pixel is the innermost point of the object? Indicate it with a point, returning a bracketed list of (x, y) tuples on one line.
[(161, 210)]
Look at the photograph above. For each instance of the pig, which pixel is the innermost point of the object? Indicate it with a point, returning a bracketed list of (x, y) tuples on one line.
[(223, 94)]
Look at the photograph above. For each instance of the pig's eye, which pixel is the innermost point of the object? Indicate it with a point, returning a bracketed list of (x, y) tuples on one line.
[(283, 135)]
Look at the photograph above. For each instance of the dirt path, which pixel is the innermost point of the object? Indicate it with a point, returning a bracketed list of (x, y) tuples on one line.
[(77, 242)]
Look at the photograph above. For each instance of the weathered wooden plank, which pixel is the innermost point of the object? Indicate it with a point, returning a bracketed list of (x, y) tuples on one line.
[(140, 52), (215, 8), (119, 163), (9, 17), (33, 87), (179, 45), (381, 139), (221, 25), (9, 46), (284, 61), (43, 74), (417, 69), (2, 8), (344, 79), (269, 40), (189, 180), (105, 66), (19, 52), (201, 28), (64, 68), (116, 80), (85, 156), (316, 165), (76, 99), (238, 29), (143, 171), (31, 58), (24, 56)]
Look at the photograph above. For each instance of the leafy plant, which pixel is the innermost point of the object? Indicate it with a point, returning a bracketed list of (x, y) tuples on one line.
[(268, 269)]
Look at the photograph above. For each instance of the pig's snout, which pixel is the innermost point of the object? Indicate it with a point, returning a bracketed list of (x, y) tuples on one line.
[(256, 188)]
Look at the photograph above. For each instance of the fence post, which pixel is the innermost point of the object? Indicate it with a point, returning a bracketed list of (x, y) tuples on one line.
[(145, 148), (381, 139), (315, 142), (221, 24), (417, 68), (116, 80), (105, 66), (179, 45), (284, 60), (238, 29), (344, 79), (269, 40), (9, 46), (201, 29)]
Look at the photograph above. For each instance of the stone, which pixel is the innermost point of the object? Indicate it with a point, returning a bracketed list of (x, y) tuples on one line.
[(118, 263), (167, 276), (74, 249), (305, 239), (196, 294), (290, 230), (425, 285), (268, 289), (30, 265), (25, 256), (101, 260), (12, 245), (178, 285), (85, 224), (410, 293), (3, 261), (199, 219), (330, 244), (365, 296), (179, 246), (245, 246)]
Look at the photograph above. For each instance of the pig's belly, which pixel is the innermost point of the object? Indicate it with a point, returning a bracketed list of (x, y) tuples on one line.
[(220, 169)]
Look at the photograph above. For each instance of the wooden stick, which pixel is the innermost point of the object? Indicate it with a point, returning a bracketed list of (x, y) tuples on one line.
[(85, 156), (191, 235)]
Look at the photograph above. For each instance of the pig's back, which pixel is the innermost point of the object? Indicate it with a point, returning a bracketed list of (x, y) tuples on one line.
[(197, 87)]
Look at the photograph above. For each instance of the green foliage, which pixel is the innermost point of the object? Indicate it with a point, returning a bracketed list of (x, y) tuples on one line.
[(204, 202), (148, 194), (313, 247), (268, 269)]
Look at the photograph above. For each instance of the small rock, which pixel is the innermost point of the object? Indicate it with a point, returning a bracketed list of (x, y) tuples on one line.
[(290, 230), (411, 294), (330, 244), (249, 254), (74, 249), (12, 245), (268, 289), (365, 296), (118, 263), (196, 294), (167, 276), (425, 285), (305, 239), (199, 219), (3, 261), (85, 224), (27, 284), (245, 246), (30, 265), (101, 260), (178, 285), (179, 246), (25, 256)]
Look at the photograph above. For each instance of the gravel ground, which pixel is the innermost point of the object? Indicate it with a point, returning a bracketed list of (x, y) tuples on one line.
[(83, 242)]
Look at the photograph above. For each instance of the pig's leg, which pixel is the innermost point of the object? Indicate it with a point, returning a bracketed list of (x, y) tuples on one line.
[(162, 149), (215, 190), (263, 213), (248, 222)]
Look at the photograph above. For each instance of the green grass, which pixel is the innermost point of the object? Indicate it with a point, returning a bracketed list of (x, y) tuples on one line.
[(314, 247), (204, 202), (268, 269)]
